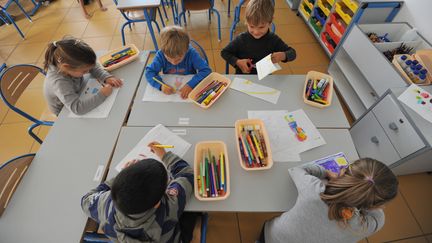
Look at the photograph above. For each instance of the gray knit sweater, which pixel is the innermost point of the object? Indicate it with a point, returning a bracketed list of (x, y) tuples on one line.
[(308, 222)]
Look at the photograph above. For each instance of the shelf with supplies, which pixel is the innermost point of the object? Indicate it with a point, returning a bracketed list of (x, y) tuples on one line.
[(329, 19), (360, 69)]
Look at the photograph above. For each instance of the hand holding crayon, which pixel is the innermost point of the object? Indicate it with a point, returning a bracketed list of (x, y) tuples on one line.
[(157, 149)]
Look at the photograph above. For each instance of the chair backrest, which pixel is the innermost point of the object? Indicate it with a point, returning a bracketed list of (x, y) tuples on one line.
[(13, 81), (196, 5), (11, 174), (200, 50)]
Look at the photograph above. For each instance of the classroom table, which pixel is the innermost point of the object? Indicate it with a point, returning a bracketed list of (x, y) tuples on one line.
[(251, 191), (46, 205), (234, 105), (146, 6)]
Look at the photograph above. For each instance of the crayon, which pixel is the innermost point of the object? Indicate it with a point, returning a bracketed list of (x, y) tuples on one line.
[(255, 154), (222, 166), (250, 156), (163, 146)]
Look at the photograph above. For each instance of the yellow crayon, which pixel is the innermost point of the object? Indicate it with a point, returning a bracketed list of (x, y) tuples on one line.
[(163, 146)]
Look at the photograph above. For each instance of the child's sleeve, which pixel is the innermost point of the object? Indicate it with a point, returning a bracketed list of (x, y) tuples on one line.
[(152, 70), (374, 221), (95, 199), (200, 66), (181, 187), (229, 53), (280, 45), (305, 181), (99, 73), (64, 90)]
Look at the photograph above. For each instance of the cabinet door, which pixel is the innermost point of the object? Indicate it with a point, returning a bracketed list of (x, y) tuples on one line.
[(397, 127), (371, 141)]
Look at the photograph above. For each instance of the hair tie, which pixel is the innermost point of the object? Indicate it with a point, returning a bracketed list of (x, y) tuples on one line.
[(55, 43), (370, 179), (77, 41)]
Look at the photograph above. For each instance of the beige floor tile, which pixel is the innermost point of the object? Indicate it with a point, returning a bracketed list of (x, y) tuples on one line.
[(66, 4), (38, 81), (219, 45), (220, 63), (50, 16), (418, 194), (210, 58), (363, 241), (136, 39), (292, 34), (75, 14), (420, 239), (99, 43), (26, 53), (111, 13), (136, 28), (399, 224), (14, 140), (222, 227), (202, 38), (40, 33), (286, 16), (42, 133), (10, 36), (5, 51), (75, 29), (3, 111), (309, 54), (148, 42), (32, 102), (281, 4), (100, 28), (251, 224), (305, 70)]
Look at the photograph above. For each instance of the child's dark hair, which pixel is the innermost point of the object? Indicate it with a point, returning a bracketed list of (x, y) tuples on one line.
[(366, 184), (139, 187), (72, 51)]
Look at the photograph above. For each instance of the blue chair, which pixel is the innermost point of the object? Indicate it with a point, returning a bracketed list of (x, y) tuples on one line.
[(196, 5), (200, 50), (13, 81), (7, 19), (11, 174), (136, 16)]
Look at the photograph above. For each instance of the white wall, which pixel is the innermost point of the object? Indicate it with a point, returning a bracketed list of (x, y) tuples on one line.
[(418, 14)]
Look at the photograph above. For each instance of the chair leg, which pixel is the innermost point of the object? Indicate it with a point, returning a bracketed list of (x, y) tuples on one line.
[(24, 12), (219, 25), (161, 18), (163, 8), (226, 68), (209, 13), (180, 19), (157, 26), (36, 7), (229, 8), (32, 134), (174, 12), (122, 32), (13, 22), (204, 222)]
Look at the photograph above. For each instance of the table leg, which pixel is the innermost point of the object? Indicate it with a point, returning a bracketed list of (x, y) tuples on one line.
[(149, 25)]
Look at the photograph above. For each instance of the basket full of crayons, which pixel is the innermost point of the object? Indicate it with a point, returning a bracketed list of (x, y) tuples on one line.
[(211, 169), (253, 144), (209, 90), (119, 57), (318, 89)]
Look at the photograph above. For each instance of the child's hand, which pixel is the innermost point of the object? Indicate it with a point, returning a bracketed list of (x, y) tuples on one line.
[(333, 175), (129, 163), (106, 90), (184, 92), (113, 81), (160, 152), (245, 65), (278, 57), (166, 89)]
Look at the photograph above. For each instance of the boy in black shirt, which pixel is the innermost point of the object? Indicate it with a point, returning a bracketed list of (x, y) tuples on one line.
[(251, 46)]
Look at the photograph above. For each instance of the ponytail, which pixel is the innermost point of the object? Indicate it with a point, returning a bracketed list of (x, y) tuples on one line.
[(49, 56)]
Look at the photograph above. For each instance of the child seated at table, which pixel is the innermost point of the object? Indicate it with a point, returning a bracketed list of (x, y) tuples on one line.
[(142, 203), (66, 62), (346, 208), (257, 42), (176, 56)]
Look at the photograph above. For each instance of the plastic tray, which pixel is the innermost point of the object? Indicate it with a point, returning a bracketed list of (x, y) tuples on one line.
[(216, 147), (317, 15), (315, 24), (326, 43), (247, 122), (204, 83), (332, 35), (107, 56), (352, 5), (317, 75), (404, 74), (345, 17), (323, 8)]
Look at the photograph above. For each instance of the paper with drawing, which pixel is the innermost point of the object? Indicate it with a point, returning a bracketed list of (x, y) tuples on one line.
[(419, 100), (265, 67), (175, 81), (102, 111), (256, 90), (160, 134)]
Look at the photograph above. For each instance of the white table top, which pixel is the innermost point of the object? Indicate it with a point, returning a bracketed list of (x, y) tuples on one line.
[(137, 4), (46, 205), (249, 190), (233, 105)]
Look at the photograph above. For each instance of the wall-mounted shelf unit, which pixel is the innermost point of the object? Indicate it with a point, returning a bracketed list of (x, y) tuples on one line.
[(330, 20)]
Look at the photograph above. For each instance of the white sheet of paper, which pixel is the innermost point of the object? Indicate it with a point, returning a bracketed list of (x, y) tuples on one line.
[(265, 67), (285, 146), (256, 90), (101, 111), (160, 134), (175, 81), (419, 100)]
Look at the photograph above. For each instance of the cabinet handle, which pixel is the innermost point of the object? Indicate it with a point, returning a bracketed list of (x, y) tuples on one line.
[(393, 126), (374, 139)]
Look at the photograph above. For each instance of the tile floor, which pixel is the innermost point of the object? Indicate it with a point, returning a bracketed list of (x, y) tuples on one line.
[(409, 216)]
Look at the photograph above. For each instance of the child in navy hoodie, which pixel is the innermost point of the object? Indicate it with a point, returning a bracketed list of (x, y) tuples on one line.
[(176, 56)]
